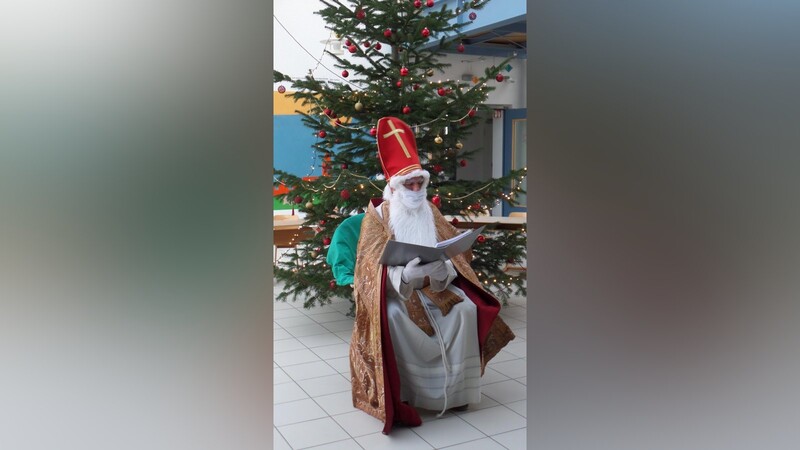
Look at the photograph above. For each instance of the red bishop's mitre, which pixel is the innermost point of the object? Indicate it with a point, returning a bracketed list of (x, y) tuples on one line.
[(397, 150)]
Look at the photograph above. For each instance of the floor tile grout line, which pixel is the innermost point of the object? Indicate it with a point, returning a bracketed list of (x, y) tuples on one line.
[(276, 430), (525, 418), (504, 404), (469, 424), (329, 442), (311, 420), (321, 376), (333, 442), (498, 443), (473, 440), (495, 406), (413, 430)]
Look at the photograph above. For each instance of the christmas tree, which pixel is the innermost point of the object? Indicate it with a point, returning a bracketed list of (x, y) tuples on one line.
[(393, 49)]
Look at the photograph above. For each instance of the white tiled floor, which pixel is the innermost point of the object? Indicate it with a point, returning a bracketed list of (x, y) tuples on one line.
[(313, 403)]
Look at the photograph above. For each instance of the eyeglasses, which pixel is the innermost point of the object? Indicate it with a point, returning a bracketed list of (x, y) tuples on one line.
[(411, 185)]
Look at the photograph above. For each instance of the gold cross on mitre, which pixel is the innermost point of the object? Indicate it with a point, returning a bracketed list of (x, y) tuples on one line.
[(395, 132)]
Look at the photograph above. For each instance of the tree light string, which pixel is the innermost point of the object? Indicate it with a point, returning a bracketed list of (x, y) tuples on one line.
[(450, 199), (319, 63), (318, 60), (342, 125), (379, 189)]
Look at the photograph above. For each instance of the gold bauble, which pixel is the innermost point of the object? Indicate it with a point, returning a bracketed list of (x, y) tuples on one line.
[(438, 140), (429, 72), (459, 145), (359, 106), (309, 205), (313, 254)]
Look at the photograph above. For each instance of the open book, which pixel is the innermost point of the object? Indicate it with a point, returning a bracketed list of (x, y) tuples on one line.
[(399, 253)]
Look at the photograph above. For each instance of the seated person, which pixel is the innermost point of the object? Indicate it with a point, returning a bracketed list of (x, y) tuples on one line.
[(423, 332)]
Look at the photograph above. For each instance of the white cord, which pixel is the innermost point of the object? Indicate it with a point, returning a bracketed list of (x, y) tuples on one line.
[(445, 363)]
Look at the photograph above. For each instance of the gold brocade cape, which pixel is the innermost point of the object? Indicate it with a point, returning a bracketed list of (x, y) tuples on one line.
[(374, 376)]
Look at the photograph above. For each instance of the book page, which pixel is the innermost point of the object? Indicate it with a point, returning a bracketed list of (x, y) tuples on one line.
[(400, 253), (447, 242), (465, 235)]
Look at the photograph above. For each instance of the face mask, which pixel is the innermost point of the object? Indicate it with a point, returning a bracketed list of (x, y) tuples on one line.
[(412, 199)]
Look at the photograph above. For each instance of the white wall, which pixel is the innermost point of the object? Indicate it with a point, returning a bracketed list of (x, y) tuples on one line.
[(309, 29), (510, 92)]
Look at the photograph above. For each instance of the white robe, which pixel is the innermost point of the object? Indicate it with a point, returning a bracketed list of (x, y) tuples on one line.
[(423, 371)]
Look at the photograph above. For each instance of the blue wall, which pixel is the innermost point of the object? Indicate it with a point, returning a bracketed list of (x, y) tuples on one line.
[(494, 14), (292, 146)]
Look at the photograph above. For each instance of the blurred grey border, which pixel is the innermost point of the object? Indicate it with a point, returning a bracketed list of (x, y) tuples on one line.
[(663, 214), (135, 225)]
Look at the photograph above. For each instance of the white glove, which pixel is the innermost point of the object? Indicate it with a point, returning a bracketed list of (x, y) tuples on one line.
[(414, 273)]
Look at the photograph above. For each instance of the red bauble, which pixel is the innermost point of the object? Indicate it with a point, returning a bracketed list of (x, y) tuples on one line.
[(437, 201), (463, 163), (415, 87), (327, 111), (373, 131), (454, 221), (429, 3), (460, 48), (366, 44), (437, 168), (462, 122), (343, 166), (333, 115), (399, 83), (347, 43), (499, 77), (326, 241), (426, 32), (471, 112), (406, 109), (473, 16), (322, 133), (281, 89), (360, 14), (378, 46), (322, 222), (333, 284), (387, 33), (418, 3), (442, 92), (298, 199), (345, 73), (345, 194), (481, 238), (403, 71), (476, 206), (352, 49)]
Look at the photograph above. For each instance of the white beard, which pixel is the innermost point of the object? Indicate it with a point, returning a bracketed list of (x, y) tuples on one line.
[(414, 226)]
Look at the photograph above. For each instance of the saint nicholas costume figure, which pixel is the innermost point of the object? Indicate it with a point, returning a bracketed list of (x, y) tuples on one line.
[(423, 333)]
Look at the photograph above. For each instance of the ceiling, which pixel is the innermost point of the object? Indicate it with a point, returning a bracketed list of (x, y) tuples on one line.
[(502, 39)]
